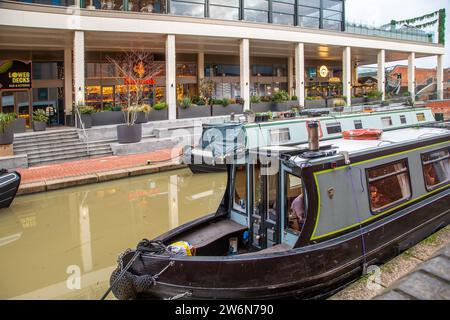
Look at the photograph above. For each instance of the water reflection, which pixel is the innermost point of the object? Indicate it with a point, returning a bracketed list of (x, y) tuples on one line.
[(45, 238)]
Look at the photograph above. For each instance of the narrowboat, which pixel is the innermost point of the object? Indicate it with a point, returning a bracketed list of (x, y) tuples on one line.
[(301, 220), (220, 142), (9, 184)]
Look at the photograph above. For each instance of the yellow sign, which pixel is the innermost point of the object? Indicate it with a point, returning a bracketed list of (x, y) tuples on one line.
[(334, 79), (15, 74), (323, 71)]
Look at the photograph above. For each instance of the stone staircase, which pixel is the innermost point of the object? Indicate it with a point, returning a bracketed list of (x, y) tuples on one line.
[(57, 146)]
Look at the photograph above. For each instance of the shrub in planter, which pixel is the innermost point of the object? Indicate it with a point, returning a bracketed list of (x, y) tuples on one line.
[(226, 107), (188, 110), (261, 117), (19, 124), (315, 102), (6, 131), (374, 95), (158, 112), (40, 119), (142, 111), (86, 116)]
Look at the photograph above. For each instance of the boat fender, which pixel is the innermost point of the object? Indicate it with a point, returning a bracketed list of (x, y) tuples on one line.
[(181, 248)]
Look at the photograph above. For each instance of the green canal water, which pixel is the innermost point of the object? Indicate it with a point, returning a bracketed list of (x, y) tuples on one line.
[(49, 239)]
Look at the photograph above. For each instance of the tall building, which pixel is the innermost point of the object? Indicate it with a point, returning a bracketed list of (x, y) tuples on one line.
[(246, 47)]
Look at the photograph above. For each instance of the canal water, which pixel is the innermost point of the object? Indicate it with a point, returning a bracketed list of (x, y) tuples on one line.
[(64, 244)]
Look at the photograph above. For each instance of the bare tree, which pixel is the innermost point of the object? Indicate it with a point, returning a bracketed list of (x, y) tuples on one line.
[(137, 69)]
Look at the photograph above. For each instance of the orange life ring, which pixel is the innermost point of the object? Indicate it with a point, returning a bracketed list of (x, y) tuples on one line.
[(362, 134)]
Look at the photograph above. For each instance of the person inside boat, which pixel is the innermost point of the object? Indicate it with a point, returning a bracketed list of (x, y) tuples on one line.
[(297, 213), (377, 198)]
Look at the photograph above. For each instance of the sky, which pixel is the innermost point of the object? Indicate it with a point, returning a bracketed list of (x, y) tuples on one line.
[(379, 12)]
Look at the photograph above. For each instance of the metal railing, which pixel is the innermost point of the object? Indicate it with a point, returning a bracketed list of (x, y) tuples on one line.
[(400, 34), (83, 129)]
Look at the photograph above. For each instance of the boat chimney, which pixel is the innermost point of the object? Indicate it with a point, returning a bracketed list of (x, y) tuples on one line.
[(313, 135)]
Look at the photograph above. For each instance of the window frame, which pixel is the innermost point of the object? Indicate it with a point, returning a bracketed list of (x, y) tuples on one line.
[(394, 203), (333, 125), (423, 163), (285, 203), (235, 206)]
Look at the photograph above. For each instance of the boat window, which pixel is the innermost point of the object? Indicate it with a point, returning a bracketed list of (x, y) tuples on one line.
[(420, 116), (295, 202), (436, 168), (403, 119), (240, 189), (281, 135), (386, 121), (272, 195), (358, 124), (389, 185), (334, 128)]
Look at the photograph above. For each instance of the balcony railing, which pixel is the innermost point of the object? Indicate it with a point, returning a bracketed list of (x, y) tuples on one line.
[(400, 34)]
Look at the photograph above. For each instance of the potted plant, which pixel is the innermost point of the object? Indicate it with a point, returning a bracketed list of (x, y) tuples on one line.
[(158, 112), (6, 130), (86, 116), (261, 117), (339, 105), (260, 104), (374, 96), (187, 109), (19, 124), (40, 119), (282, 102), (109, 115), (315, 102)]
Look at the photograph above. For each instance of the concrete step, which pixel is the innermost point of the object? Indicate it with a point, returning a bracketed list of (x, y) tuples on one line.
[(68, 150), (52, 146), (47, 139)]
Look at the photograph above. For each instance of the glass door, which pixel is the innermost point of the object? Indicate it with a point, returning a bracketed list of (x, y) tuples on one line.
[(18, 102), (265, 217)]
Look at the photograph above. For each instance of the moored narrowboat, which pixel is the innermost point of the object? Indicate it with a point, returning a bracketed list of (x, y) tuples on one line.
[(9, 184), (301, 220)]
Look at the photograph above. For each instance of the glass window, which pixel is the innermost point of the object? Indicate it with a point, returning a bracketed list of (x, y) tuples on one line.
[(386, 121), (224, 9), (332, 15), (272, 196), (309, 12), (308, 22), (402, 119), (283, 12), (47, 70), (240, 189), (420, 116), (333, 4), (295, 202), (194, 8), (388, 185), (257, 10), (257, 191), (332, 24), (278, 136), (436, 168), (358, 124), (333, 128)]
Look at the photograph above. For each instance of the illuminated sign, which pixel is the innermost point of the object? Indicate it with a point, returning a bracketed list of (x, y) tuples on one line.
[(323, 71), (128, 81), (334, 79), (15, 74)]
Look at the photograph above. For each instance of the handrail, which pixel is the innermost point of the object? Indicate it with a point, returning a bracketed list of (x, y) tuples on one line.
[(86, 137)]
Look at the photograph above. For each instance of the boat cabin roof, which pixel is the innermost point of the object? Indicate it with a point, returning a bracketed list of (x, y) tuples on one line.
[(388, 139)]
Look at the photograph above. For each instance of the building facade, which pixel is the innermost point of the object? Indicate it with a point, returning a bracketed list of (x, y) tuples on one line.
[(246, 47)]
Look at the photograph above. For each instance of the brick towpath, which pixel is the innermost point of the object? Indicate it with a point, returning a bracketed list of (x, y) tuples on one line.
[(94, 165)]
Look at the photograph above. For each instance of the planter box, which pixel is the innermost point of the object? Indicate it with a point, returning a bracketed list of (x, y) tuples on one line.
[(194, 112), (129, 134), (373, 100), (104, 118), (331, 102), (220, 110), (322, 103), (7, 137), (158, 115), (284, 106), (39, 126), (87, 121), (18, 125), (141, 117), (261, 106), (358, 100)]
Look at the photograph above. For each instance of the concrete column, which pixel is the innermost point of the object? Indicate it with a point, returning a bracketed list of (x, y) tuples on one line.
[(355, 74), (244, 53), (171, 76), (300, 73), (412, 74), (347, 74), (440, 77), (68, 85), (381, 77), (200, 66), (291, 76), (78, 66)]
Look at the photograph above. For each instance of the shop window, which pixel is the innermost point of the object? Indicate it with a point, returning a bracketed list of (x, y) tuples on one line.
[(436, 168), (403, 119), (358, 124), (240, 189), (334, 128), (420, 116), (389, 185), (47, 70), (386, 121), (295, 203)]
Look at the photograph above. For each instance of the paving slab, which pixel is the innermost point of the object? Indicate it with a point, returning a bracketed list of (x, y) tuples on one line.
[(112, 175), (32, 187)]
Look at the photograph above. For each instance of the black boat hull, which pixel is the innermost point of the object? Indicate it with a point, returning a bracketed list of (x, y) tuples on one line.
[(206, 168), (314, 271), (9, 184)]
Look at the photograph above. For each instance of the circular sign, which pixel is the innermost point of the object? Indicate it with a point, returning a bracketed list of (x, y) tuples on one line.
[(323, 71)]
